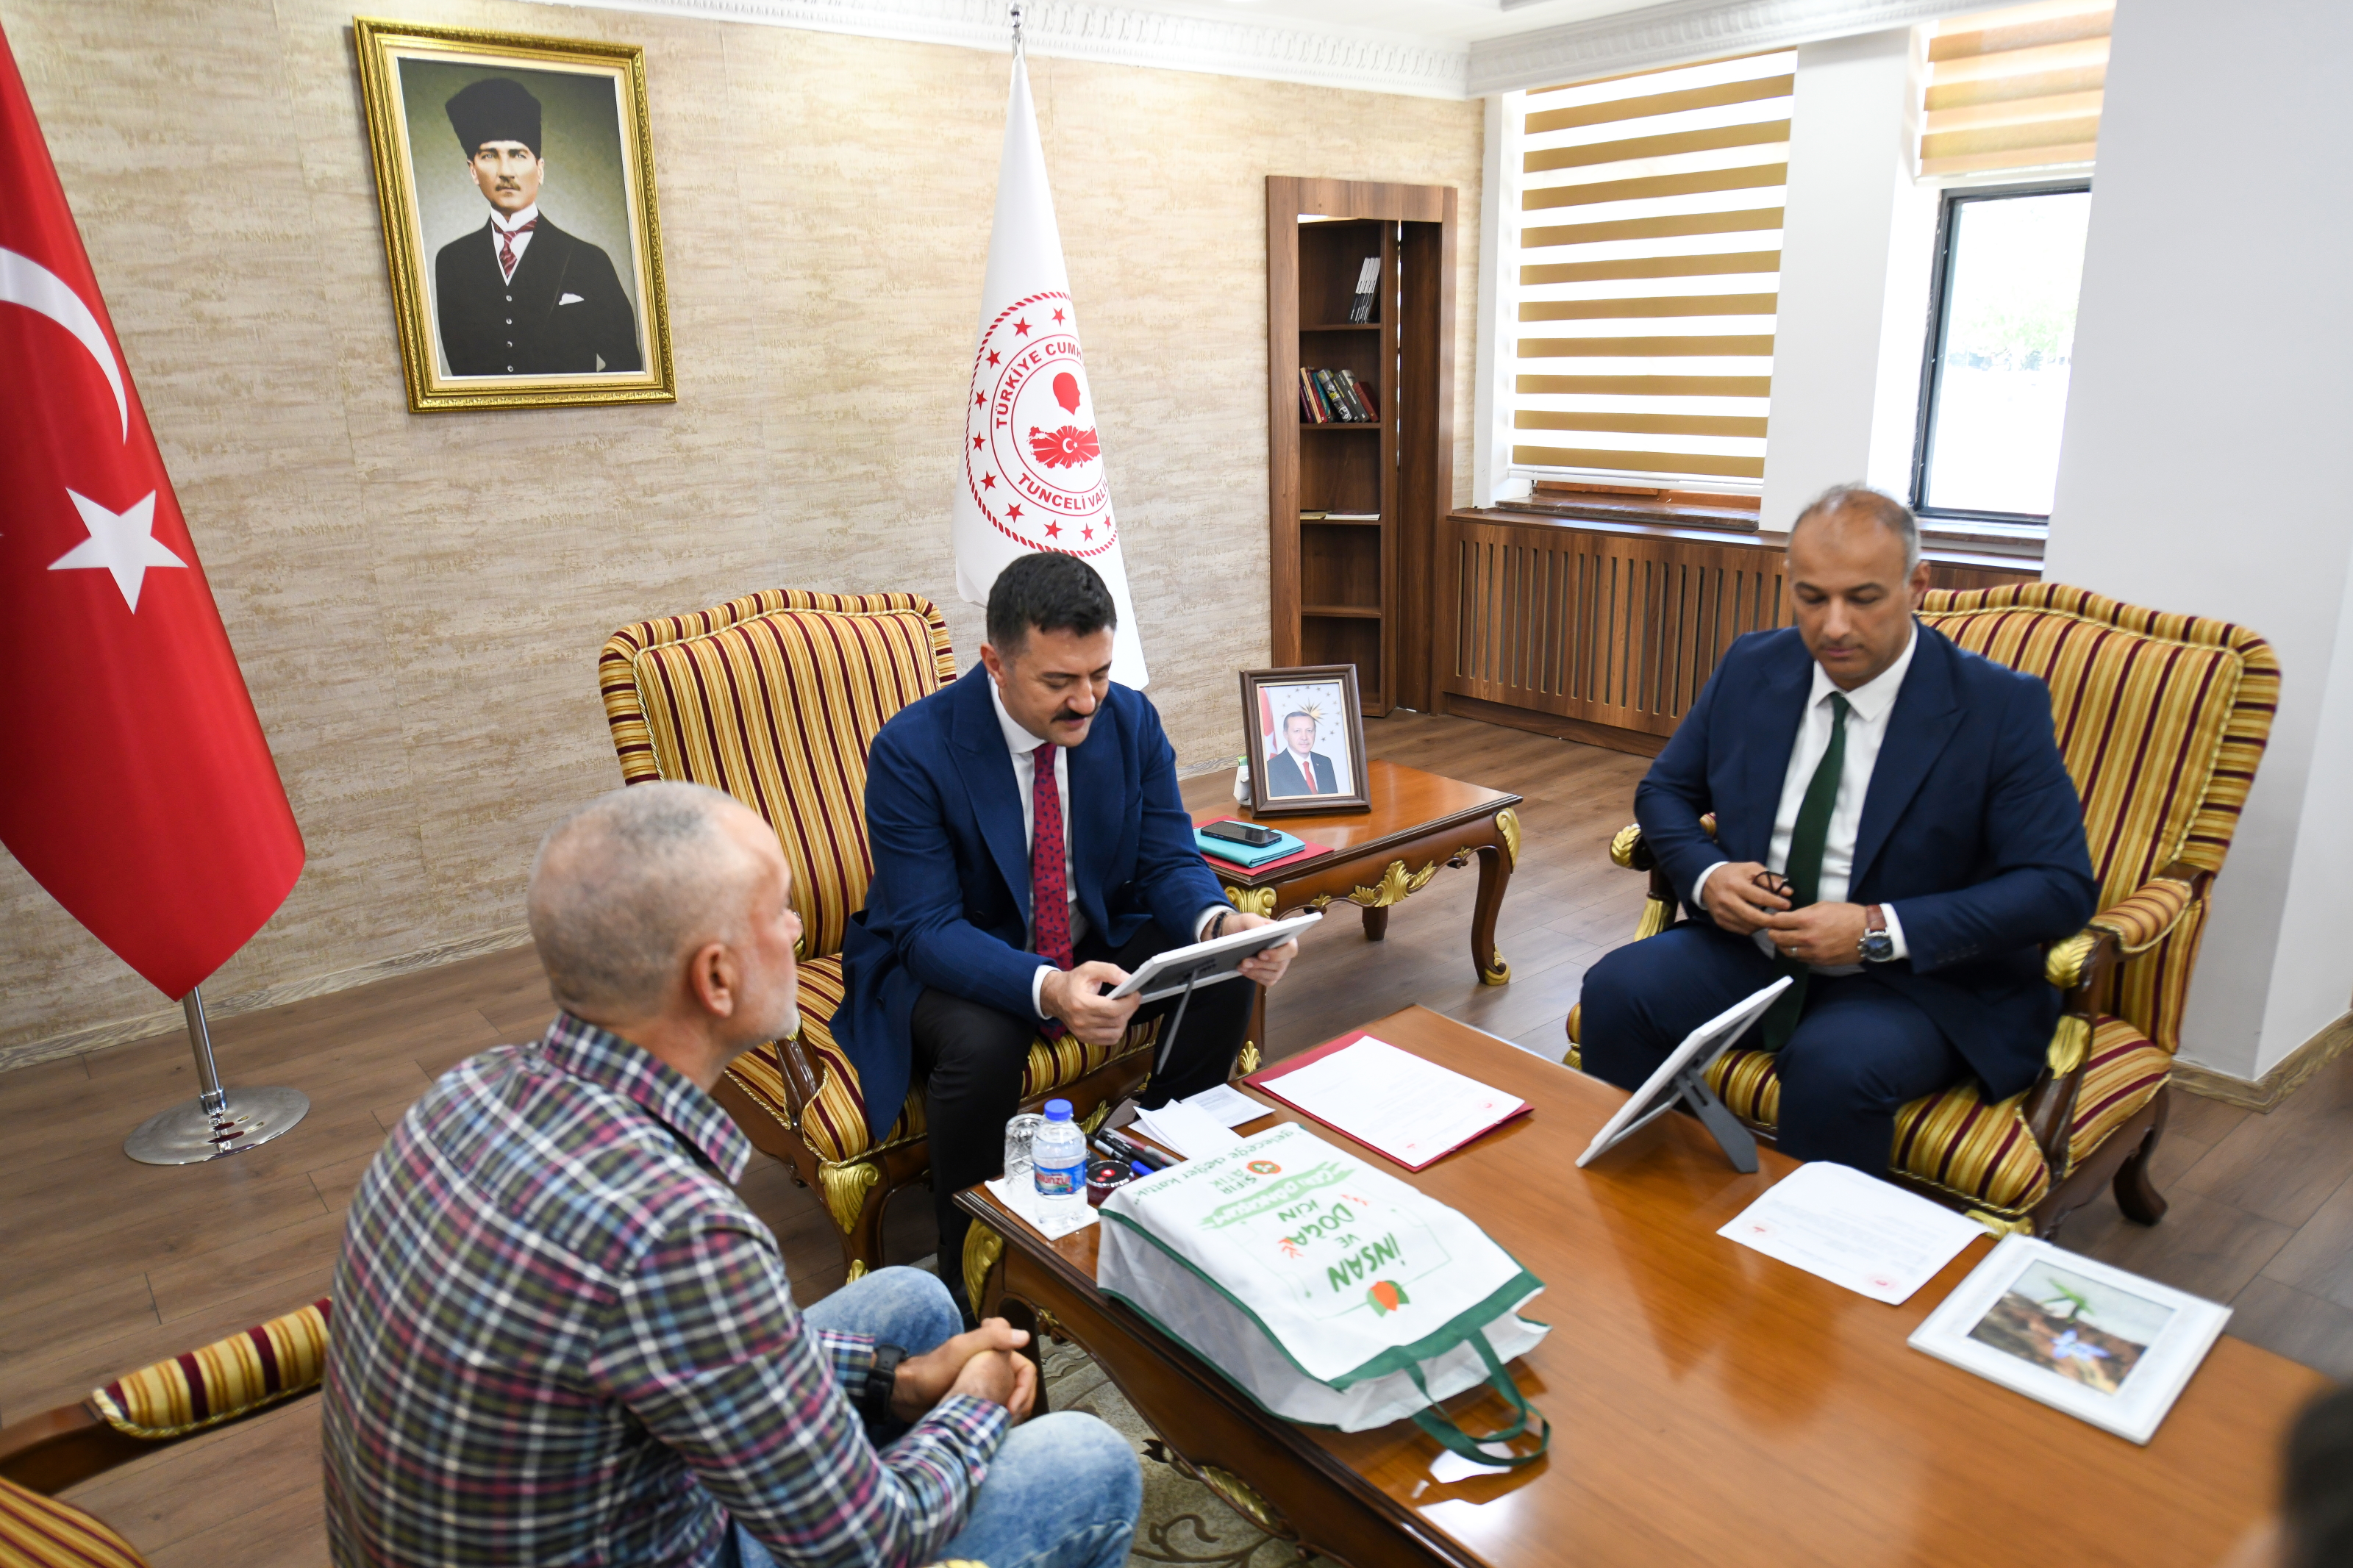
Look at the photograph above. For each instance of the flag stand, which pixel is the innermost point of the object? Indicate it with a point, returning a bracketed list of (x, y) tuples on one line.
[(209, 1126)]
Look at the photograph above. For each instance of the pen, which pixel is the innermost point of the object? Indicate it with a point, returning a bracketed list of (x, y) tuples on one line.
[(1118, 1148)]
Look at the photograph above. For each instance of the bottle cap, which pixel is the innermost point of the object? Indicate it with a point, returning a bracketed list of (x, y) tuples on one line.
[(1058, 1110)]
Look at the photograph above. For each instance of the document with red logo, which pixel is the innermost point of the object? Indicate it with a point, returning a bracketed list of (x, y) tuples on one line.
[(1391, 1101), (1854, 1230)]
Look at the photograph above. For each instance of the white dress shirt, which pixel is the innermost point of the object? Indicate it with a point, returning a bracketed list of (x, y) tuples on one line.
[(503, 226), (1023, 746), (1868, 706)]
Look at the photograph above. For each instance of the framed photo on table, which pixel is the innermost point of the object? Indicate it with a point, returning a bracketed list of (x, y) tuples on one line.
[(1304, 734), (516, 176)]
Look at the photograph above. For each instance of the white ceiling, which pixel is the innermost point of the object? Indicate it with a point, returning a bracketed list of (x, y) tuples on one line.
[(1454, 22)]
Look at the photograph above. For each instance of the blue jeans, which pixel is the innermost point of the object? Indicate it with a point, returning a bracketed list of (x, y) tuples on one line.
[(1064, 1490)]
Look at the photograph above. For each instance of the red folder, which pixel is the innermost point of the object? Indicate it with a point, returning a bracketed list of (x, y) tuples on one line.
[(1294, 858), (1268, 1078)]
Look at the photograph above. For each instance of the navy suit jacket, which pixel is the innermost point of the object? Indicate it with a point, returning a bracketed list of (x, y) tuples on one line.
[(1283, 777), (1971, 826), (949, 903)]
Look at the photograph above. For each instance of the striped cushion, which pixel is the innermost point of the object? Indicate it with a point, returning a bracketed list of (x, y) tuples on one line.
[(232, 1377), (37, 1532), (2162, 720), (1956, 1141), (775, 698), (833, 1123)]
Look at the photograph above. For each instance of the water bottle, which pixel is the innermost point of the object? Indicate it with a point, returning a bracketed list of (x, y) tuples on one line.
[(1058, 1161)]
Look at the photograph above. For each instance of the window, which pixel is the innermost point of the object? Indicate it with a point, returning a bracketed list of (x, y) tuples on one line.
[(1994, 398), (1642, 271), (2010, 94)]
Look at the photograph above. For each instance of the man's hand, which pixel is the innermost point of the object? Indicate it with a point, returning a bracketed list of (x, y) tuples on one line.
[(1737, 902), (1075, 997), (1002, 1377), (1818, 933), (1266, 967), (924, 1380)]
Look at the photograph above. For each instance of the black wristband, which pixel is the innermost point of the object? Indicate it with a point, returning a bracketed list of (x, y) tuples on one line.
[(1216, 926), (881, 1380)]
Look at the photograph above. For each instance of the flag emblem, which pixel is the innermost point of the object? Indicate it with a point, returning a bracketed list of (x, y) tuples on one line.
[(1032, 460)]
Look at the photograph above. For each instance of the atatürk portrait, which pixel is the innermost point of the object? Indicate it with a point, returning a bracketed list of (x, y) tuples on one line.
[(526, 259), (519, 296)]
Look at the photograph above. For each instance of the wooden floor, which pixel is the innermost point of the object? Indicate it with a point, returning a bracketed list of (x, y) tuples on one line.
[(106, 1265)]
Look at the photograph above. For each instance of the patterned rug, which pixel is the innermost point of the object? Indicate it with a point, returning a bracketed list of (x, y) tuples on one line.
[(1184, 1521)]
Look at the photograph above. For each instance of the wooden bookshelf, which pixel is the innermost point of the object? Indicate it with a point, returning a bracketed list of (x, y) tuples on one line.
[(1359, 590)]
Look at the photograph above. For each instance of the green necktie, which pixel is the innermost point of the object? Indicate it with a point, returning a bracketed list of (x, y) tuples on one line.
[(1805, 868)]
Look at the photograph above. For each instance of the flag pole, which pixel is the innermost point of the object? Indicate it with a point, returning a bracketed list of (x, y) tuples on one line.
[(209, 1126)]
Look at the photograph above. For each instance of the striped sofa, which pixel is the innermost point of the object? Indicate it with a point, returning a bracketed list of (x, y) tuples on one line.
[(775, 698), (2162, 720)]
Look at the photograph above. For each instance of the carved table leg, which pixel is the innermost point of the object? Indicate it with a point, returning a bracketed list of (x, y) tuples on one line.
[(1377, 924), (1494, 876)]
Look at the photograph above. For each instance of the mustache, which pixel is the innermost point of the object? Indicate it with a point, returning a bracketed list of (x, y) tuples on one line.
[(1069, 716)]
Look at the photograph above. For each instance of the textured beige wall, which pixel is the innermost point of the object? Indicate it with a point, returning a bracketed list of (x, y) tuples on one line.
[(418, 601)]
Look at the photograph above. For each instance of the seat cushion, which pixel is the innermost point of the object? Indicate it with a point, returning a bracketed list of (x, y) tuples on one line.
[(1953, 1141), (833, 1123), (39, 1532), (232, 1377)]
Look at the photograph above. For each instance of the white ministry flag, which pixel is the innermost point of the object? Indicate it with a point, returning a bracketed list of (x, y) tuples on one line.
[(1033, 473)]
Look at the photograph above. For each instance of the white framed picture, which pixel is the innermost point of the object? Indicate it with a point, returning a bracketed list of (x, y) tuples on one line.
[(2105, 1346)]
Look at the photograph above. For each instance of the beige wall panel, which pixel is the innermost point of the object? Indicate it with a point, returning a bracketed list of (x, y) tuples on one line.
[(418, 600)]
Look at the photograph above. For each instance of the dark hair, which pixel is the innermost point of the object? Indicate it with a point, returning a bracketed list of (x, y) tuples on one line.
[(1046, 592), (2318, 1501)]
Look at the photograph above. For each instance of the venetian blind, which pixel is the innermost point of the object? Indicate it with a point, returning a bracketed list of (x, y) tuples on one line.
[(1648, 269), (2016, 90)]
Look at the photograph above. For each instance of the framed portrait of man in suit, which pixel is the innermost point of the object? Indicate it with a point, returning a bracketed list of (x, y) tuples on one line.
[(515, 175), (1305, 739)]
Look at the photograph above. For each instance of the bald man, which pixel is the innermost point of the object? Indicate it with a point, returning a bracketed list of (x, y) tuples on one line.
[(1895, 831), (561, 1337)]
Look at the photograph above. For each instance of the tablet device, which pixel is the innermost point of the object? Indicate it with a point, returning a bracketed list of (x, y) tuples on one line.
[(1166, 974), (1687, 1061)]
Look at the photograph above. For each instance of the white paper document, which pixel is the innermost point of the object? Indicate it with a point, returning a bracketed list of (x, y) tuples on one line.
[(1227, 1105), (1402, 1105), (1854, 1230), (1184, 1129), (1021, 1197)]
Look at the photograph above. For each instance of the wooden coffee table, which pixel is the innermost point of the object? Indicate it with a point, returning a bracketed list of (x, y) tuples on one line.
[(1709, 1404), (1418, 822)]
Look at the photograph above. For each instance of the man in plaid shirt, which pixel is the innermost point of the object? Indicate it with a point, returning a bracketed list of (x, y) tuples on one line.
[(560, 1336)]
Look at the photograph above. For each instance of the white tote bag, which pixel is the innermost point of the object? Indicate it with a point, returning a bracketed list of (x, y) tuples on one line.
[(1333, 1293)]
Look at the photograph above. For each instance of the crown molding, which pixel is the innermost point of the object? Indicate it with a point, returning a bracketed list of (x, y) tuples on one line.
[(1682, 31), (1112, 35)]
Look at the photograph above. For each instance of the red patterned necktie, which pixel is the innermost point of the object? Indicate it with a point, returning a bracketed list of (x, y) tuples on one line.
[(1050, 886), (506, 246), (1307, 773)]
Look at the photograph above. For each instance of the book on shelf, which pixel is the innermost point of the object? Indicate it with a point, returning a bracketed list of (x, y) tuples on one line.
[(1363, 394), (1369, 277), (1340, 389), (1313, 516), (1339, 517), (1311, 398)]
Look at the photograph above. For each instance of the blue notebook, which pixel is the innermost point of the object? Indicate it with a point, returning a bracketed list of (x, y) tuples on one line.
[(1248, 855)]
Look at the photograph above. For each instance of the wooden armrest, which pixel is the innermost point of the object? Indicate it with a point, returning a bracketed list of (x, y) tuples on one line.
[(802, 1079), (62, 1448)]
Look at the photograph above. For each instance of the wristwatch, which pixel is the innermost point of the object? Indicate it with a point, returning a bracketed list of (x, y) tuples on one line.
[(1878, 946), (873, 1400)]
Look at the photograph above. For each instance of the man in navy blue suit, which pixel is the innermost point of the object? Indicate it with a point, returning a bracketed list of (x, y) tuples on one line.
[(1299, 768), (1029, 851), (1894, 829)]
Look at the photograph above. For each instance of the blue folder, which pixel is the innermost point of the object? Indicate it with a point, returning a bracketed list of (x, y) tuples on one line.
[(1248, 855)]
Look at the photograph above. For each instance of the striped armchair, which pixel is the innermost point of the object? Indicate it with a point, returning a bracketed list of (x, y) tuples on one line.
[(775, 698), (2162, 720)]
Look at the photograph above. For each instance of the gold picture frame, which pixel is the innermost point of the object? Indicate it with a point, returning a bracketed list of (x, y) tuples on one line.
[(456, 295)]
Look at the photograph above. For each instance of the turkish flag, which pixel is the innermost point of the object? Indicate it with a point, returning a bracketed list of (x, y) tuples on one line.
[(138, 790)]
